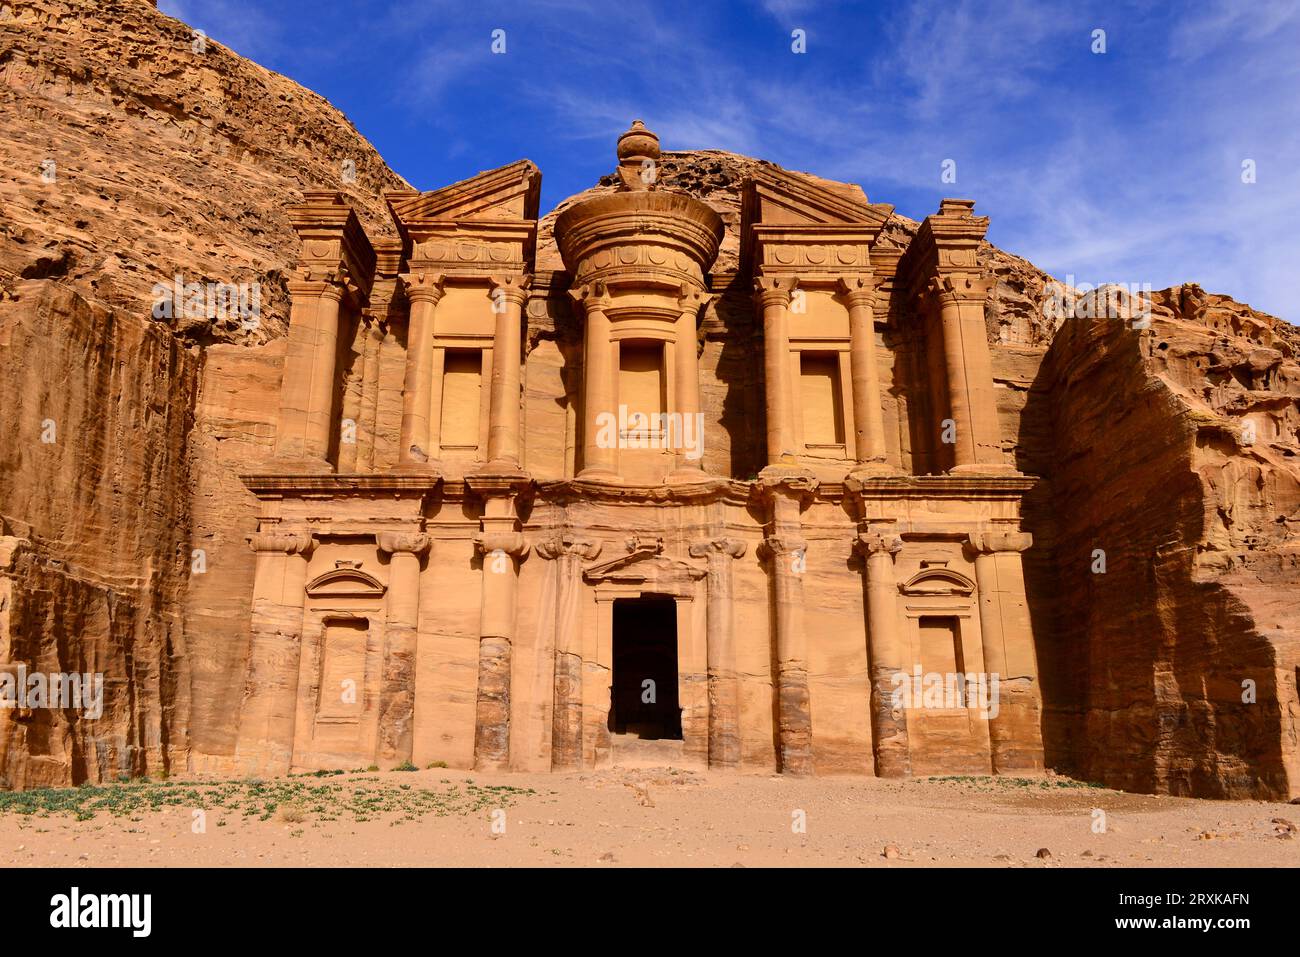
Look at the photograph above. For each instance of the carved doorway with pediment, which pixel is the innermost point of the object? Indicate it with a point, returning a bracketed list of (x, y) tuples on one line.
[(650, 626)]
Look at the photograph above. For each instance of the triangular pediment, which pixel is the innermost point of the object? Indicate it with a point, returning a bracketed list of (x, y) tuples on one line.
[(643, 566), (777, 197), (790, 220), (508, 193)]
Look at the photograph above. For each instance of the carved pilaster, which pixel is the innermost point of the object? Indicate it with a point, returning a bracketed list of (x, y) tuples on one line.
[(306, 418), (509, 293), (267, 715), (502, 548), (787, 557), (773, 295), (397, 686), (424, 291), (724, 683), (690, 461), (1015, 728), (568, 552), (598, 386), (879, 549), (858, 293)]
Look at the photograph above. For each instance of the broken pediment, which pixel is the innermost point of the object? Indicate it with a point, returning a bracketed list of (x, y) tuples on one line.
[(345, 581), (478, 227), (938, 581), (793, 221), (506, 193), (646, 566)]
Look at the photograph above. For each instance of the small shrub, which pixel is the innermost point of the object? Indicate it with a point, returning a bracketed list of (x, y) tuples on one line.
[(292, 814)]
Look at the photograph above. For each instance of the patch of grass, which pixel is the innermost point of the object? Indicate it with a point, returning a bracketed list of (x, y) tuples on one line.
[(294, 800), (992, 781), (406, 766)]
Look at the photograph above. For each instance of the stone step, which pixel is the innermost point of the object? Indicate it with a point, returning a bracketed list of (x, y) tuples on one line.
[(630, 751)]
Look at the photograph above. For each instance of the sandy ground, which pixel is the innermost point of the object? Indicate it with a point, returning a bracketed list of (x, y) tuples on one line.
[(657, 817)]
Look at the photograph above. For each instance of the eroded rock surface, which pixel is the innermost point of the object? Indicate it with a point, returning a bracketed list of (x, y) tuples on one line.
[(1172, 449)]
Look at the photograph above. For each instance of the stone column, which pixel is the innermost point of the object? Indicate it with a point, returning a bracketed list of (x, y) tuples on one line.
[(502, 548), (885, 647), (266, 717), (724, 683), (787, 555), (568, 553), (397, 690), (508, 296), (774, 297), (971, 399), (1015, 717), (306, 418), (868, 417), (687, 384), (599, 392), (424, 290)]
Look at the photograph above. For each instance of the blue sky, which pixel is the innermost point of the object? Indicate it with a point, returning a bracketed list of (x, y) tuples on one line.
[(1122, 166)]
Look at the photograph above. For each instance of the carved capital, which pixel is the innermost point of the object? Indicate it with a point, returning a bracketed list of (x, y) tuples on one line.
[(416, 543), (989, 543), (691, 299), (584, 548), (592, 296), (874, 543), (774, 290), (424, 286), (512, 543), (718, 548), (321, 282), (512, 289), (858, 290), (778, 546), (789, 481), (290, 543), (958, 287)]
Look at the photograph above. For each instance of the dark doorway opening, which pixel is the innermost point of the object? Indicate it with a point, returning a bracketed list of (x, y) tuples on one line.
[(644, 694)]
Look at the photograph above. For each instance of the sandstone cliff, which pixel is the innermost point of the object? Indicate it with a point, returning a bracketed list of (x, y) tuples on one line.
[(129, 157), (167, 160), (1171, 656), (160, 159)]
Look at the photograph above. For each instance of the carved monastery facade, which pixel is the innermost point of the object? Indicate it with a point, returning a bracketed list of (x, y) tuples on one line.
[(459, 558)]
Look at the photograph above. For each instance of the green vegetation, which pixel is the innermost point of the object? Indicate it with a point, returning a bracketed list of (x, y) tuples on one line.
[(989, 781), (291, 799)]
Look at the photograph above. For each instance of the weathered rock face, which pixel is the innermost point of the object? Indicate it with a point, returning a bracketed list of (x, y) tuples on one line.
[(98, 408), (161, 163), (132, 157), (1177, 464), (1173, 450)]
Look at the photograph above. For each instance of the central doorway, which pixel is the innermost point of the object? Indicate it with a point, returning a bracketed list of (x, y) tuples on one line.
[(643, 702)]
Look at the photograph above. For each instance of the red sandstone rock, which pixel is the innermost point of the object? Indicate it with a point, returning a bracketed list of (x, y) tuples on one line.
[(163, 166)]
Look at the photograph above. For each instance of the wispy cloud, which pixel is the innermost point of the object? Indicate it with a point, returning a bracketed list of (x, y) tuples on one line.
[(1123, 165)]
